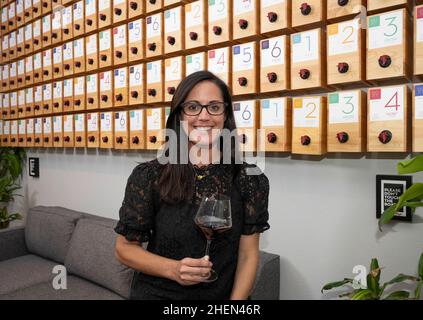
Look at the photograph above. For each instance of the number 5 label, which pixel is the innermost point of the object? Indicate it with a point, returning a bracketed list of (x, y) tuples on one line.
[(243, 57)]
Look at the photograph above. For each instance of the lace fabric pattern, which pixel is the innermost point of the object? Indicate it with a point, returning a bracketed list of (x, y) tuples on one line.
[(171, 232)]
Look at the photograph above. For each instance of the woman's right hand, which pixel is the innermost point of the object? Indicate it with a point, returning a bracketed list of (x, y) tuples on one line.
[(190, 271)]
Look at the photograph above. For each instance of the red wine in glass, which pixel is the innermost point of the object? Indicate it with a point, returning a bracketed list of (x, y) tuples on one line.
[(213, 216)]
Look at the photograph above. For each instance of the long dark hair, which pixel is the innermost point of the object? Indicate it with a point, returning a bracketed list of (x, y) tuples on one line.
[(176, 180)]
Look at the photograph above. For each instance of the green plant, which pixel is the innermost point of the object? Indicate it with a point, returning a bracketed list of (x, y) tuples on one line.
[(11, 161), (412, 197), (375, 291)]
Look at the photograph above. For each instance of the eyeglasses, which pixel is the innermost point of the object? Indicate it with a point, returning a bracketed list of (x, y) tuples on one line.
[(194, 108)]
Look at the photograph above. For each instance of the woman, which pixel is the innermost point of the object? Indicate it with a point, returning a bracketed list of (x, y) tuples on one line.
[(161, 201)]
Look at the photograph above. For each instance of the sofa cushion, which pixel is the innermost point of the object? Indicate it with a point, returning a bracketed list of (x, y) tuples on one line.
[(91, 255), (23, 272), (77, 289), (48, 231)]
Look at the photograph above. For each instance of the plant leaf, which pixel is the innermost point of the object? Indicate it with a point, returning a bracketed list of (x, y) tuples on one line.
[(413, 204), (420, 270), (14, 216), (373, 278), (411, 166), (362, 294), (398, 295), (416, 190), (401, 278), (387, 216), (336, 284), (418, 290)]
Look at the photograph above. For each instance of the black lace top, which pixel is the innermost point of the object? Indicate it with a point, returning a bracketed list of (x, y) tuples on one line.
[(171, 232)]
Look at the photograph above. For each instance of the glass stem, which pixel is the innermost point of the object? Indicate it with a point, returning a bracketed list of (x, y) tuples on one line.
[(208, 247)]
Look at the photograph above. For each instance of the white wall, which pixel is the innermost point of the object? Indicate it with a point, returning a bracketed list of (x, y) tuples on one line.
[(322, 213)]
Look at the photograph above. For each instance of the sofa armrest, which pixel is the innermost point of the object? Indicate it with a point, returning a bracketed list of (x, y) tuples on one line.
[(12, 243), (266, 286)]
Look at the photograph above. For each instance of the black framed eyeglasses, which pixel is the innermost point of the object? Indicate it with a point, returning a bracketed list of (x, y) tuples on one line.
[(194, 108)]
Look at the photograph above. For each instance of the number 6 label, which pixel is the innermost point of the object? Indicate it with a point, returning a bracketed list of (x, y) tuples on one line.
[(244, 112)]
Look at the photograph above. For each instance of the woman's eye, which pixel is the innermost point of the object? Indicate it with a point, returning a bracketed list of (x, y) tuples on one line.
[(192, 107)]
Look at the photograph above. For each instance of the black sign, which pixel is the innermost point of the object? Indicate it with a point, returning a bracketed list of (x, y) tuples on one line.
[(34, 167), (388, 191)]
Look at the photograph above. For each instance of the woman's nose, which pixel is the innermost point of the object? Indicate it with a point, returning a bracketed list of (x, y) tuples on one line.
[(204, 115)]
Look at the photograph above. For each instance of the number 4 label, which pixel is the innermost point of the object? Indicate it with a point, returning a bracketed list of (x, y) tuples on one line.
[(387, 104)]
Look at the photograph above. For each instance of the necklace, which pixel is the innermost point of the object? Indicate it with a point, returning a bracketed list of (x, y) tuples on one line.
[(197, 175)]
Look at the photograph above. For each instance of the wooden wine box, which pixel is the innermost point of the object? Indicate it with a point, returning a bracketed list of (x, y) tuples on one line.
[(275, 16), (136, 84), (121, 130), (309, 125), (308, 14), (418, 41), (195, 24), (81, 125), (346, 53), (246, 19), (275, 125), (154, 83), (247, 120), (93, 130), (107, 130), (308, 60), (155, 125), (274, 64), (418, 118), (339, 9), (245, 76), (219, 21), (173, 30), (154, 35), (389, 119), (136, 129), (347, 121), (388, 46), (68, 131), (174, 73)]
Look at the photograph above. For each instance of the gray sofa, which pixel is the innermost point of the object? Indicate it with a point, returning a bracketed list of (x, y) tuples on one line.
[(84, 244)]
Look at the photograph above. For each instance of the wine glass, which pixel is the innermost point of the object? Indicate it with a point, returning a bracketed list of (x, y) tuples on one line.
[(213, 216)]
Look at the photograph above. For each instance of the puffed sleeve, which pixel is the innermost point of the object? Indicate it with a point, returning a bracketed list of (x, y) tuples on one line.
[(254, 188), (136, 215)]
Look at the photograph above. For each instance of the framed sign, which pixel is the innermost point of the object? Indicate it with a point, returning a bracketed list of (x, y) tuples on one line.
[(388, 191)]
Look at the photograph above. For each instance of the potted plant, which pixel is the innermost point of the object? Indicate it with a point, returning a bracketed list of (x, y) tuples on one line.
[(375, 291), (412, 197), (11, 160)]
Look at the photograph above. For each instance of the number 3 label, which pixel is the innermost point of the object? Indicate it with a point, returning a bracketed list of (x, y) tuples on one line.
[(385, 30), (343, 107)]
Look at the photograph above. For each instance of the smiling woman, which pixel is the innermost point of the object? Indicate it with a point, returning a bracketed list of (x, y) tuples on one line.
[(162, 199)]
